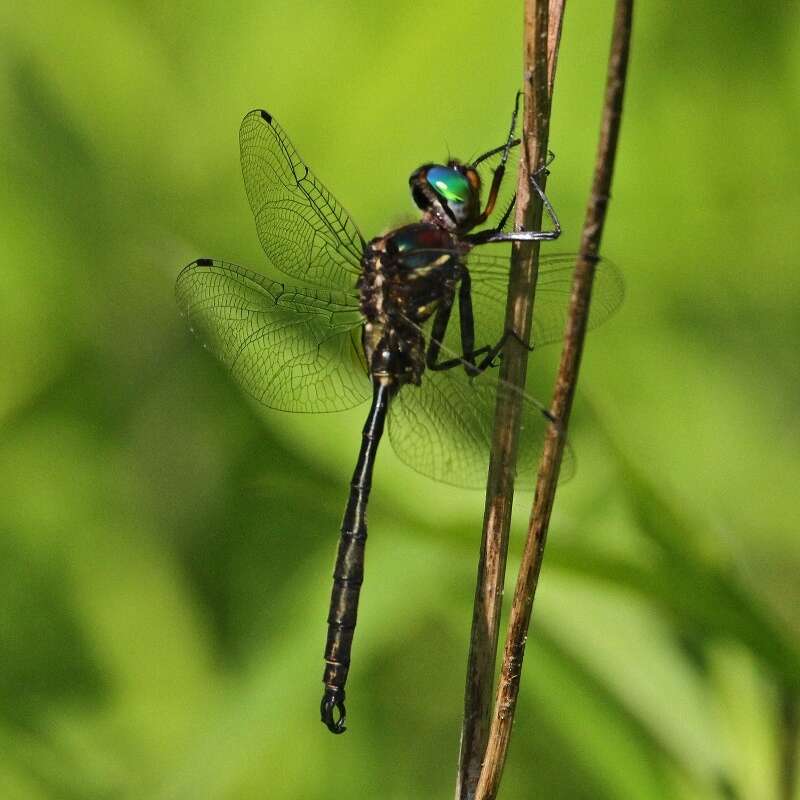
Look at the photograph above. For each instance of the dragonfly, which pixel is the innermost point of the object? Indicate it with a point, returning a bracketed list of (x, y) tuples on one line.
[(375, 321)]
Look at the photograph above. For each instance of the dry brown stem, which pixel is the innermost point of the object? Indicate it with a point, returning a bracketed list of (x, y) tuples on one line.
[(564, 392), (543, 33)]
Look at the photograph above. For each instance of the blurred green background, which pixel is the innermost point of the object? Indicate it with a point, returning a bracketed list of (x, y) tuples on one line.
[(166, 546)]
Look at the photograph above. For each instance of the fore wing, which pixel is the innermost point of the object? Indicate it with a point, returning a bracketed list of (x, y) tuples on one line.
[(304, 231)]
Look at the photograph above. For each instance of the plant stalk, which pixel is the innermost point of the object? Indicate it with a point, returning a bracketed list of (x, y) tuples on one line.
[(542, 37), (564, 392)]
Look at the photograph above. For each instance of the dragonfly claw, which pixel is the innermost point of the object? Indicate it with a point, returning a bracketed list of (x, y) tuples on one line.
[(331, 705)]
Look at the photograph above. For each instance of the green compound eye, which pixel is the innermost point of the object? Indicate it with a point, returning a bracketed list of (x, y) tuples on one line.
[(449, 184)]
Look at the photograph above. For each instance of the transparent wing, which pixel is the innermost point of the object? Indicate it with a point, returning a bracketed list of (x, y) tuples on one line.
[(304, 232), (290, 349), (489, 280), (489, 275), (443, 428)]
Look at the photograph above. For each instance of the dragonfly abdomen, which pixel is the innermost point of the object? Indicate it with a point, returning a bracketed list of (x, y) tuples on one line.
[(349, 571)]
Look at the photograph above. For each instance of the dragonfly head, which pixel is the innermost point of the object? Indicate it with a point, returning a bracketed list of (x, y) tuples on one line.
[(448, 195)]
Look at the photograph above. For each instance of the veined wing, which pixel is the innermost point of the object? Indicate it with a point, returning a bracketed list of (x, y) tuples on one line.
[(489, 281), (291, 349), (489, 275), (304, 231), (443, 428)]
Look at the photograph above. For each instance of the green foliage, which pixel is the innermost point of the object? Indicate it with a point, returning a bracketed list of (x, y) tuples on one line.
[(165, 546)]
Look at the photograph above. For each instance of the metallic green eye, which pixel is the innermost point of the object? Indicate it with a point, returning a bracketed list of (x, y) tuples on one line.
[(449, 184)]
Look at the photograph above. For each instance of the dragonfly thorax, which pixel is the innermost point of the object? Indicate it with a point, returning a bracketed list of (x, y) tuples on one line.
[(406, 274)]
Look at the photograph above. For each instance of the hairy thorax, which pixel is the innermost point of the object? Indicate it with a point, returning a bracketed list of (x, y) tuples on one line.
[(407, 274)]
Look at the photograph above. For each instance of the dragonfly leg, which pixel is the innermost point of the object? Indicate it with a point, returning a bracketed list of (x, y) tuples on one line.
[(469, 355), (467, 330), (497, 178), (551, 157), (466, 319), (490, 352), (440, 322), (498, 235), (466, 361), (510, 142), (494, 351)]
